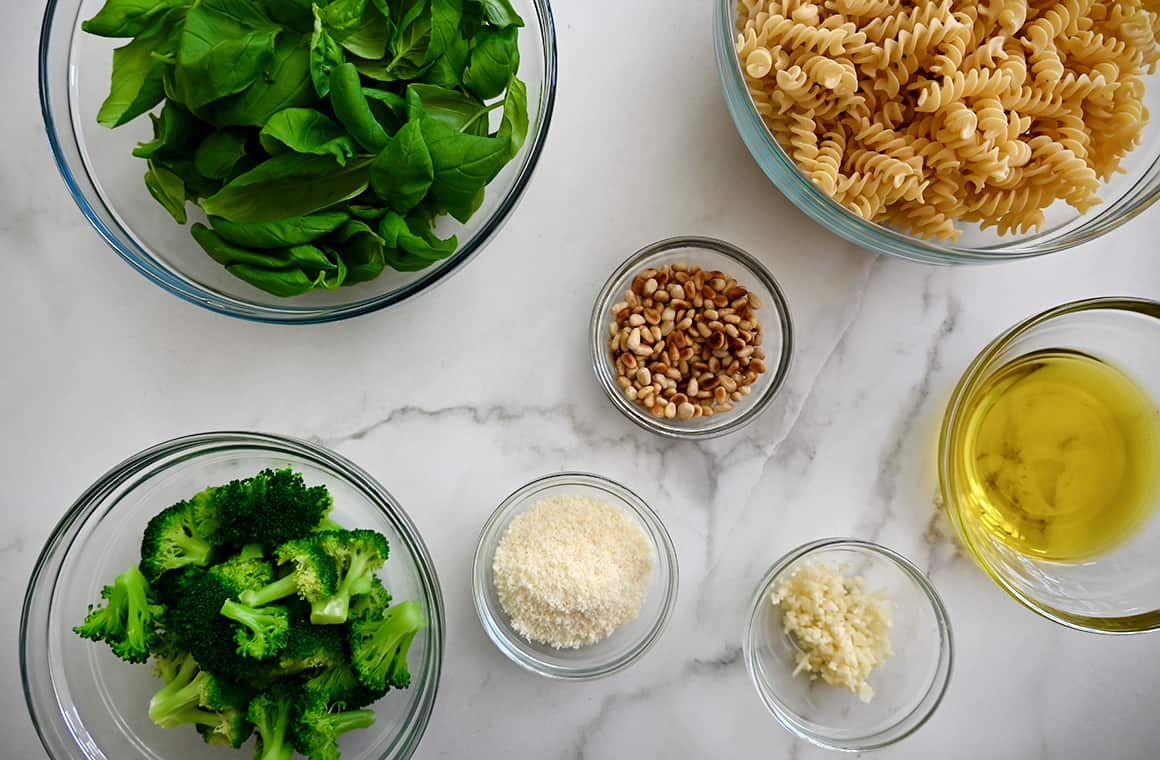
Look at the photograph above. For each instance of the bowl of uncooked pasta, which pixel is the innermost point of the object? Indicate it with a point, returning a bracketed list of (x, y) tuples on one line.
[(950, 132)]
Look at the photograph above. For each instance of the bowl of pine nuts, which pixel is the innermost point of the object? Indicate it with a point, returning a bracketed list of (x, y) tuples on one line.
[(691, 338)]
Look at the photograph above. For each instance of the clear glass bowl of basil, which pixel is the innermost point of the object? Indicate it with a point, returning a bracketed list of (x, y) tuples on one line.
[(295, 162)]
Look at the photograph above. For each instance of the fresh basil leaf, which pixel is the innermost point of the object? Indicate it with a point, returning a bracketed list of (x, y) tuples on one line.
[(402, 173), (304, 130), (219, 153), (414, 235), (196, 185), (225, 46), (389, 109), (292, 14), (174, 130), (137, 82), (463, 164), (514, 126), (447, 69), (168, 189), (361, 249), (352, 110), (285, 83), (458, 110), (364, 211), (495, 57), (130, 18), (325, 55), (280, 282), (472, 19), (286, 271), (406, 12), (288, 185), (500, 13), (284, 232), (359, 27), (445, 17), (408, 51)]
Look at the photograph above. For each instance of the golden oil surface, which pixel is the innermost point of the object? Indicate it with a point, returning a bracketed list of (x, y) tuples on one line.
[(1061, 455)]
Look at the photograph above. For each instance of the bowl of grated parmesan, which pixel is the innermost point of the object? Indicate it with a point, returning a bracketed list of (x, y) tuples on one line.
[(574, 577), (848, 644)]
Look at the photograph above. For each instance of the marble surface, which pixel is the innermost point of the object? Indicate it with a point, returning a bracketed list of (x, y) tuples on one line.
[(456, 398)]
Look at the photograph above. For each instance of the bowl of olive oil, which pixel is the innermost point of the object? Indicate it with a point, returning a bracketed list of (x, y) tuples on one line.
[(1049, 463)]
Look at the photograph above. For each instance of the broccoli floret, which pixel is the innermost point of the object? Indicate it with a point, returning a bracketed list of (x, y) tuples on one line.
[(358, 554), (245, 570), (271, 508), (127, 622), (325, 524), (181, 535), (270, 714), (195, 619), (193, 696), (314, 575), (317, 724), (310, 647), (339, 685), (379, 647), (264, 629), (371, 605)]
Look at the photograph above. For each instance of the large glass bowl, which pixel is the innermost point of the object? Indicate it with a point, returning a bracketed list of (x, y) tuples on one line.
[(106, 181), (1117, 591), (1125, 196), (85, 703)]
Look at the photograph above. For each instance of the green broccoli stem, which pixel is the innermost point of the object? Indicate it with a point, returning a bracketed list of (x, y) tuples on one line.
[(182, 693), (351, 720), (196, 551), (326, 524), (335, 609), (274, 741), (279, 589), (255, 618)]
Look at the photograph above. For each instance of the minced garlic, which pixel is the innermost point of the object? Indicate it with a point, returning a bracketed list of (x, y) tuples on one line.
[(843, 632), (571, 570)]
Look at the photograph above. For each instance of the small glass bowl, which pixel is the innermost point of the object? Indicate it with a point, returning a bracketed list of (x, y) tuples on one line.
[(907, 687), (1117, 591), (105, 180), (86, 703), (708, 253), (1125, 195), (626, 644)]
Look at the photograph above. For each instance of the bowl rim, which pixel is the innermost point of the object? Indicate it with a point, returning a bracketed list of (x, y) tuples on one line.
[(936, 689), (598, 331), (625, 498), (952, 418), (59, 542), (185, 288), (833, 216)]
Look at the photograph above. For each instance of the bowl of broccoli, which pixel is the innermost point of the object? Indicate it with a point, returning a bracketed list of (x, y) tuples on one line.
[(233, 591)]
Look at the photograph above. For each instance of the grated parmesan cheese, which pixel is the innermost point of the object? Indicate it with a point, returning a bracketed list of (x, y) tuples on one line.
[(571, 570), (842, 631)]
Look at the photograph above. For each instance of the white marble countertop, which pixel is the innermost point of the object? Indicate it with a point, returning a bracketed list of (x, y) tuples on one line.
[(456, 398)]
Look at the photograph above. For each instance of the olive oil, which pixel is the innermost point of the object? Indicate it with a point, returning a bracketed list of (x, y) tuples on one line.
[(1061, 455)]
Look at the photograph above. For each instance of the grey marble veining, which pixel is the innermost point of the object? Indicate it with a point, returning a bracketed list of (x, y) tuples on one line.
[(455, 399)]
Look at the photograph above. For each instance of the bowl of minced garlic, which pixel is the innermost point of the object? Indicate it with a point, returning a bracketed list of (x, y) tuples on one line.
[(848, 644), (575, 577)]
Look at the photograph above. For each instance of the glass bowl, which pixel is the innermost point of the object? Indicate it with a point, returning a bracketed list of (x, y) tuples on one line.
[(626, 644), (85, 703), (1117, 591), (106, 181), (1124, 197), (907, 687), (708, 253)]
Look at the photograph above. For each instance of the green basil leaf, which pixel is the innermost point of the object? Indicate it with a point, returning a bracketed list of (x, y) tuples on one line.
[(447, 69), (219, 153), (225, 46), (514, 127), (286, 271), (285, 83), (279, 282), (408, 51), (359, 27), (402, 173), (304, 130), (168, 189), (137, 82), (464, 164), (361, 249), (364, 211), (282, 233), (325, 55), (288, 185), (458, 110), (495, 57), (174, 130), (500, 13), (196, 185), (130, 18), (413, 234), (406, 12), (445, 17), (352, 110), (293, 14)]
